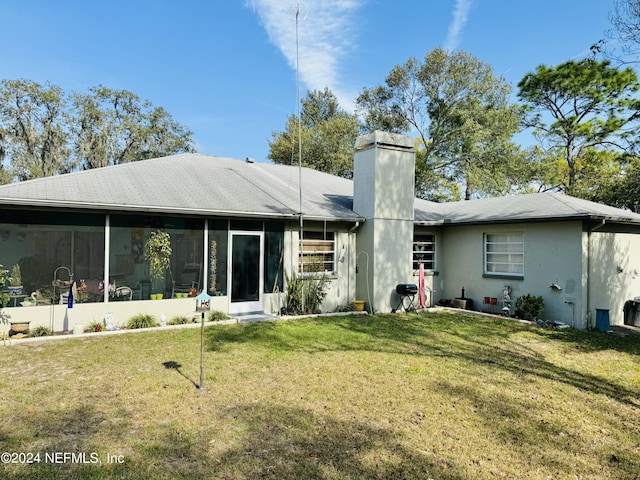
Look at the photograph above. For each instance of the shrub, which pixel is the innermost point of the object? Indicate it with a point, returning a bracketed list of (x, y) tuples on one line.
[(216, 315), (40, 331), (142, 320), (530, 306), (349, 307), (179, 320), (306, 293), (4, 279), (94, 327)]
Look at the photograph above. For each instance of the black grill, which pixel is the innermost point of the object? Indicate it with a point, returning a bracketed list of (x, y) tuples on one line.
[(406, 289)]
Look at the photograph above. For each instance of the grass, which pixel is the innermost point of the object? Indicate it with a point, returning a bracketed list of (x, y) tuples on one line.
[(435, 395)]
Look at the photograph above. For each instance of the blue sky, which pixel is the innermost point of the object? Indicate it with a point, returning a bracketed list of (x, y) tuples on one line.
[(226, 69)]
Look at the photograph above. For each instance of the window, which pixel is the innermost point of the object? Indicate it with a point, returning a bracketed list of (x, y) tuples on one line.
[(504, 253), (424, 251), (318, 252)]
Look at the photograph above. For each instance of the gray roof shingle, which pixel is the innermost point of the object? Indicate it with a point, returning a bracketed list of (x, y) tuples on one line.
[(192, 183), (206, 185), (520, 208)]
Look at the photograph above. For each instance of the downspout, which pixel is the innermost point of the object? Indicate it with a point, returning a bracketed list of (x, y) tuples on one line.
[(588, 300), (351, 231)]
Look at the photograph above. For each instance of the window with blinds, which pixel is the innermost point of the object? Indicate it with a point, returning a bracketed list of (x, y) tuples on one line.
[(318, 252), (504, 253)]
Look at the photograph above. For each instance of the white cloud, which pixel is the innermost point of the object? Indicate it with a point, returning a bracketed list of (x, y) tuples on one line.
[(460, 16), (325, 37)]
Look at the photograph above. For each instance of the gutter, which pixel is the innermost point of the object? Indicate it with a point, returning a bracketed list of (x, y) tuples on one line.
[(104, 207)]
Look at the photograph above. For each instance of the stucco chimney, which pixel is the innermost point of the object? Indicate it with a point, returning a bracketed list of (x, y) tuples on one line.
[(383, 193)]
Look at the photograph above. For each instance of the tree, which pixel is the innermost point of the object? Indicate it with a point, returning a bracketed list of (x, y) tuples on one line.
[(114, 126), (33, 128), (463, 118), (327, 132), (580, 106), (44, 131), (622, 191), (625, 19)]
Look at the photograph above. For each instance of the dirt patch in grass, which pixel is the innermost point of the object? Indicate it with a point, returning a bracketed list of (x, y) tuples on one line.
[(385, 396)]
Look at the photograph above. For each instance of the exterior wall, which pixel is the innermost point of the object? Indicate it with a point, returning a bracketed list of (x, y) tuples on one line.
[(383, 192), (341, 284), (614, 272), (61, 318), (553, 253)]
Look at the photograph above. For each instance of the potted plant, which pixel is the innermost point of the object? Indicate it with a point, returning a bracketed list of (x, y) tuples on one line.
[(4, 294), (15, 281), (157, 252)]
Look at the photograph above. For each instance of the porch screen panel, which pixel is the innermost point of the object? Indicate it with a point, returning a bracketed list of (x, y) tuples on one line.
[(128, 267), (273, 257), (217, 248), (41, 241)]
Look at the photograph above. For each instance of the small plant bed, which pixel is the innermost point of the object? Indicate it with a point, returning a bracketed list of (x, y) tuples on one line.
[(142, 320)]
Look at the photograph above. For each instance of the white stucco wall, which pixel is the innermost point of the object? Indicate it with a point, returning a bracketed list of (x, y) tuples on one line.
[(552, 254), (342, 283), (383, 192), (614, 272), (62, 318)]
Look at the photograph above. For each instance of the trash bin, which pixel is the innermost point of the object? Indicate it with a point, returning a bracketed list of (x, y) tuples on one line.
[(632, 312), (602, 320)]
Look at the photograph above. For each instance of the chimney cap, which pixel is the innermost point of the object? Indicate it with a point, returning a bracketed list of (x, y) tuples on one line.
[(384, 139)]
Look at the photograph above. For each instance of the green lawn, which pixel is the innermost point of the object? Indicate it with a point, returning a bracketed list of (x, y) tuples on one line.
[(435, 395)]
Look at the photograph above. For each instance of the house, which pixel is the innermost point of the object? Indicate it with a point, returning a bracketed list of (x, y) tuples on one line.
[(236, 231)]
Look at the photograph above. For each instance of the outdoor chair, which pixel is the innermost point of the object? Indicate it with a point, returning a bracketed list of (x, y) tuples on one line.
[(189, 279)]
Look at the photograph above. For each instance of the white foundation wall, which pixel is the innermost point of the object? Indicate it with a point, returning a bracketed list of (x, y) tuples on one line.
[(61, 318), (552, 255)]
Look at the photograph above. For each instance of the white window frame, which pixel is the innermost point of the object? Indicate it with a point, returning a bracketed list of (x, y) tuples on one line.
[(504, 254), (315, 244), (432, 251)]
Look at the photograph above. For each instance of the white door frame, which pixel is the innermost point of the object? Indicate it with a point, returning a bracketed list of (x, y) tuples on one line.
[(236, 307)]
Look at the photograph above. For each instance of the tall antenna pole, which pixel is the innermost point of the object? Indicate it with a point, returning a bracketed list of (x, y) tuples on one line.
[(300, 257)]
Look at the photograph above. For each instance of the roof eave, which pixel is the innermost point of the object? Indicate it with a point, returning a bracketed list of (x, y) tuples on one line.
[(106, 207)]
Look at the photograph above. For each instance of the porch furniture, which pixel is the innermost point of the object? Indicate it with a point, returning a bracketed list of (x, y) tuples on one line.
[(124, 293), (189, 279), (407, 292)]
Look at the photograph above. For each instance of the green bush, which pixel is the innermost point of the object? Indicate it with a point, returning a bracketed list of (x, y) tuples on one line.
[(306, 293), (179, 320), (40, 331), (216, 316), (349, 307), (4, 280), (142, 320), (530, 306), (94, 327)]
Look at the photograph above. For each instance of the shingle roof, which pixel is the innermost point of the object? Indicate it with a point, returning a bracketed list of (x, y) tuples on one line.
[(520, 208), (206, 185), (193, 183)]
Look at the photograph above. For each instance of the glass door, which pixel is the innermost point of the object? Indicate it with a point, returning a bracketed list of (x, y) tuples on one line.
[(246, 273)]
